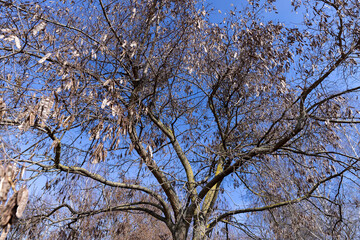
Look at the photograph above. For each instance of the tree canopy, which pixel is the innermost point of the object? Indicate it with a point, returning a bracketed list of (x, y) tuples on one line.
[(154, 113)]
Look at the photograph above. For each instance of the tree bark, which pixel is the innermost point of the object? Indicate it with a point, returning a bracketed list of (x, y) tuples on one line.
[(181, 231), (199, 232)]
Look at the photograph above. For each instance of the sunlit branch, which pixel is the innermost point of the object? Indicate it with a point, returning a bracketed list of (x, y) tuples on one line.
[(154, 169), (331, 69), (180, 153)]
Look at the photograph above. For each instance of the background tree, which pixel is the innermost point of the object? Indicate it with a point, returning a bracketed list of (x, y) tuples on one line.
[(209, 120)]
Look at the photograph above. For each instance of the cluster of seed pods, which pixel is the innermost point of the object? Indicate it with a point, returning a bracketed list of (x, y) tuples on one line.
[(11, 208)]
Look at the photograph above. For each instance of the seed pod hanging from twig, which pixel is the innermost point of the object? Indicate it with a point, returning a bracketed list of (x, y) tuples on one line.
[(10, 171), (4, 188), (6, 180), (22, 198), (2, 171), (9, 211)]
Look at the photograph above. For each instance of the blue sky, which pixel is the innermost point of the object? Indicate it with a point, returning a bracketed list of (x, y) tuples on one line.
[(284, 9)]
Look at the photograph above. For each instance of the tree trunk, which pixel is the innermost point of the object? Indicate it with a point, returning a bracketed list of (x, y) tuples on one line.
[(181, 231), (199, 232)]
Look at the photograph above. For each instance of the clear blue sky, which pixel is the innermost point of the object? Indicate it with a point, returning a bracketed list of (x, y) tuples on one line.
[(285, 12)]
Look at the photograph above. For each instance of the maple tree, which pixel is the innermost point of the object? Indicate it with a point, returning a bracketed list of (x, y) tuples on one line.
[(204, 122)]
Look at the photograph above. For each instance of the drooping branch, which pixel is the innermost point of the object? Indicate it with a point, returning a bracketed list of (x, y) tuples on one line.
[(279, 204), (136, 206)]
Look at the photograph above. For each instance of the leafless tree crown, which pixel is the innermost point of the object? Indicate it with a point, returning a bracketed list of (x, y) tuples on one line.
[(169, 114)]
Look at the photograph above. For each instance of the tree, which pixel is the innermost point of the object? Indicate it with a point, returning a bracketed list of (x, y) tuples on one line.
[(209, 120)]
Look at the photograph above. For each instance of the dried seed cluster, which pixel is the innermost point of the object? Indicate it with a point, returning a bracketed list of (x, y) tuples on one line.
[(10, 209)]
